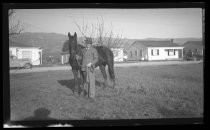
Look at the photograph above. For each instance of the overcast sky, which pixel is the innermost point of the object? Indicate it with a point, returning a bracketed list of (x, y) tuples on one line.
[(131, 23)]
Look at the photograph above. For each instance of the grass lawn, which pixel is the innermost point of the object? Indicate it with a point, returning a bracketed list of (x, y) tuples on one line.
[(173, 91)]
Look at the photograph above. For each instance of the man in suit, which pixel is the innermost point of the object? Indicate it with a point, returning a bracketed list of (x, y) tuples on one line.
[(90, 58)]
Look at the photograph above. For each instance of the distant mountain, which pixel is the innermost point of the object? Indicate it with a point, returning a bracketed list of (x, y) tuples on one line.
[(50, 42), (15, 44), (181, 41)]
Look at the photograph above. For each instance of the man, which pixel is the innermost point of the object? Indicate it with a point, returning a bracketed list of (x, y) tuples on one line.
[(90, 58)]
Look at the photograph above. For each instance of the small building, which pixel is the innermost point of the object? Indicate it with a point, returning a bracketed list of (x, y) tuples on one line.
[(65, 57), (118, 54), (24, 51), (194, 47), (155, 50)]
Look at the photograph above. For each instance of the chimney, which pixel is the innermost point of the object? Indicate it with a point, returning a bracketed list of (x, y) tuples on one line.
[(171, 41)]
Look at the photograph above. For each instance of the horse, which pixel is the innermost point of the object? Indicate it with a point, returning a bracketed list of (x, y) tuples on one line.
[(105, 58)]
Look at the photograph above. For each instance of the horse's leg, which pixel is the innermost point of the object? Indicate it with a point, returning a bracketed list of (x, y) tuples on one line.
[(83, 78), (111, 72), (103, 71), (75, 72)]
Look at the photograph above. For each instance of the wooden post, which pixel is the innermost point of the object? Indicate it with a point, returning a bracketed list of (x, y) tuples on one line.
[(61, 59), (182, 54)]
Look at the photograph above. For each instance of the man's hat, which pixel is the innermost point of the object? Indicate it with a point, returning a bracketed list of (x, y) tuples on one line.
[(88, 41)]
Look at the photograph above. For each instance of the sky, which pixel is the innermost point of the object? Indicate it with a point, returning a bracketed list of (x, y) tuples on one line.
[(129, 23)]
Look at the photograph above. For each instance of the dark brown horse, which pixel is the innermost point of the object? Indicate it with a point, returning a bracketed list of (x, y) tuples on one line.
[(105, 56)]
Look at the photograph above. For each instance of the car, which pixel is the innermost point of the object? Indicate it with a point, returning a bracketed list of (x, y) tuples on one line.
[(14, 62)]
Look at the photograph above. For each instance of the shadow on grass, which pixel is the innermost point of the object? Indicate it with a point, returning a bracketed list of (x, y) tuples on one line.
[(70, 83), (67, 83), (40, 114), (39, 119), (172, 113)]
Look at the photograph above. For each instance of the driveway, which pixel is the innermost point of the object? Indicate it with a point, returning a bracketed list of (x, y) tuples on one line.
[(43, 69)]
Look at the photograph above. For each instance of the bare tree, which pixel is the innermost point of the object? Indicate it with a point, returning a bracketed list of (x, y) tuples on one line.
[(100, 35), (16, 28)]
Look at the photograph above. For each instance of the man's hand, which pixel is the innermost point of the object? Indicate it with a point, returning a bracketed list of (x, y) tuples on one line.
[(89, 64), (77, 57)]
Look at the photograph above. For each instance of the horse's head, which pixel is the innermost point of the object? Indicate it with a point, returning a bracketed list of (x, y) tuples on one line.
[(72, 43)]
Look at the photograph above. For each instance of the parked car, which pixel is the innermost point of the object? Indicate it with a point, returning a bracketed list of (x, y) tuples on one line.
[(14, 62)]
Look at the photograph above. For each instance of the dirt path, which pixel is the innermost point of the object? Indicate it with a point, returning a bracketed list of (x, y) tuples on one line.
[(43, 69)]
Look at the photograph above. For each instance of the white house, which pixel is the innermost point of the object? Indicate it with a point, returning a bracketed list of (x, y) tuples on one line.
[(155, 50), (33, 53), (65, 57), (119, 55)]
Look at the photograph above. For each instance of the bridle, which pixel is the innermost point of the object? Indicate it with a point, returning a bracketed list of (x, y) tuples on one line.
[(75, 53), (78, 62)]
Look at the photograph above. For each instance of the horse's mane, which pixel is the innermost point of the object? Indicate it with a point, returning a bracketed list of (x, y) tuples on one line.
[(79, 49), (80, 46)]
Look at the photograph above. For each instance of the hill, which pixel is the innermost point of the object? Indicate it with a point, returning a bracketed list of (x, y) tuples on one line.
[(50, 42)]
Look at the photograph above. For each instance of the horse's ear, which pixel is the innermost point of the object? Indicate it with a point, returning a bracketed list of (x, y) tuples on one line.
[(75, 34), (69, 34)]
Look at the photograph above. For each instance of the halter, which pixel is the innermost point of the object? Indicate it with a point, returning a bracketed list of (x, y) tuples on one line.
[(77, 58)]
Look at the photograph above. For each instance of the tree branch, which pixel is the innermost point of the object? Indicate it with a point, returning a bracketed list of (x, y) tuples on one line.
[(14, 29), (103, 36), (80, 29)]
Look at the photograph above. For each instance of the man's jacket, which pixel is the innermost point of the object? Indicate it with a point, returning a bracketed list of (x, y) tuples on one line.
[(89, 56)]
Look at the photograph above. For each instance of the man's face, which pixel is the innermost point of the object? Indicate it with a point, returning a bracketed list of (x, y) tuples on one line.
[(88, 45)]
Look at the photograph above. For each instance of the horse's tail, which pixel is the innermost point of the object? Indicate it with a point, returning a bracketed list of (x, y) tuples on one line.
[(111, 67)]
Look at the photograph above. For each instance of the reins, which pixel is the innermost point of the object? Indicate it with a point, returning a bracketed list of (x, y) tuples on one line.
[(78, 62), (77, 59)]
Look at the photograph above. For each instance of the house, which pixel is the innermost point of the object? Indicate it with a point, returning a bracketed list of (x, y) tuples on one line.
[(118, 54), (194, 47), (155, 50), (65, 57), (22, 51)]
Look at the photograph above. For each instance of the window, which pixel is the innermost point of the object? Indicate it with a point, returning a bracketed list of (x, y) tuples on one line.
[(131, 53), (171, 52), (135, 53), (140, 53), (196, 51), (26, 54), (155, 52)]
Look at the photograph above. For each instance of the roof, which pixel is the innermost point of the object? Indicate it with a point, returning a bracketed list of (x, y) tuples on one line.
[(155, 43), (194, 45)]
